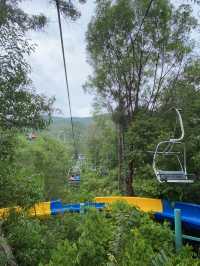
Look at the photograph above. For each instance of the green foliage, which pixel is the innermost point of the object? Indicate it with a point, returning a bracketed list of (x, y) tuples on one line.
[(20, 106), (29, 238), (37, 170), (122, 236), (102, 142), (120, 53), (49, 160), (136, 237), (68, 9), (3, 258), (143, 134), (16, 188), (60, 128), (35, 240), (95, 234), (64, 227), (23, 190), (98, 184), (177, 192), (183, 258), (65, 254)]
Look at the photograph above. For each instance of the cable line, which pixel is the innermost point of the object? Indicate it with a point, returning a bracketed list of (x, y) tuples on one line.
[(146, 13), (142, 22), (66, 77)]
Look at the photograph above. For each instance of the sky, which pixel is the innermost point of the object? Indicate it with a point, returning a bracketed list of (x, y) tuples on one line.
[(46, 62)]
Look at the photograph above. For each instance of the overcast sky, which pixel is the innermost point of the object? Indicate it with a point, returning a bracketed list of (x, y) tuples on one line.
[(47, 66), (46, 62)]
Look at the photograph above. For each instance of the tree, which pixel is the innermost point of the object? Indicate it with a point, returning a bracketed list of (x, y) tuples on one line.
[(101, 142), (136, 51), (68, 8), (19, 105), (48, 159)]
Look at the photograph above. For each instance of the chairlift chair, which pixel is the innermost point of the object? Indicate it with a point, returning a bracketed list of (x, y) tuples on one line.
[(74, 176), (166, 149)]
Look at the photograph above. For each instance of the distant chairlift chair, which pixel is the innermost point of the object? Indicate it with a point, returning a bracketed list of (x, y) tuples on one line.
[(165, 148), (74, 176)]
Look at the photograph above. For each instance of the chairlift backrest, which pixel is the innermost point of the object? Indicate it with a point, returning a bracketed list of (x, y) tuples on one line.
[(181, 126)]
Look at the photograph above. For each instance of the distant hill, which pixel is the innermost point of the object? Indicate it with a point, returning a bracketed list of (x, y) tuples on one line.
[(63, 122), (60, 128)]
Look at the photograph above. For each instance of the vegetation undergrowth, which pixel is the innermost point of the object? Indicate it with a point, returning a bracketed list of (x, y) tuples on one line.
[(121, 236)]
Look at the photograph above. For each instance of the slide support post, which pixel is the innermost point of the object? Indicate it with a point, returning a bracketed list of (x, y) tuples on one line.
[(82, 209), (178, 230)]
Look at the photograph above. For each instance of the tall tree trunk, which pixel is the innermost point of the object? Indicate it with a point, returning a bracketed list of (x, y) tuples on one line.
[(125, 171), (129, 179), (129, 162), (120, 159), (6, 251)]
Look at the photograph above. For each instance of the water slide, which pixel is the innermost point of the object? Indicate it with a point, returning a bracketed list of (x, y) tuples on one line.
[(51, 208), (162, 209)]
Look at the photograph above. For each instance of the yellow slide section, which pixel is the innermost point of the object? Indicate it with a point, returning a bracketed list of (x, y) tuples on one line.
[(145, 204), (39, 210), (4, 212)]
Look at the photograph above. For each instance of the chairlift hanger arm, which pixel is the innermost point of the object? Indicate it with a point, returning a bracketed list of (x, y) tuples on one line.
[(181, 126)]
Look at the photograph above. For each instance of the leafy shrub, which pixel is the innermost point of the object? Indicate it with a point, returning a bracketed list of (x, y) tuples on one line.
[(122, 236), (29, 239), (179, 192), (136, 237), (64, 254), (47, 158), (184, 258), (19, 190), (95, 232)]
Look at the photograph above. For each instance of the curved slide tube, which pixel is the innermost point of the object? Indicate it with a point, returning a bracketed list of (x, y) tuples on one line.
[(162, 209)]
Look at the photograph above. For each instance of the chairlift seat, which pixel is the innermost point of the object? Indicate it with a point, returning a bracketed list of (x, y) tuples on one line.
[(173, 176)]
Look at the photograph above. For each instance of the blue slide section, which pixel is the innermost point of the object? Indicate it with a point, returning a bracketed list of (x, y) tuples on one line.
[(57, 207), (190, 214)]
